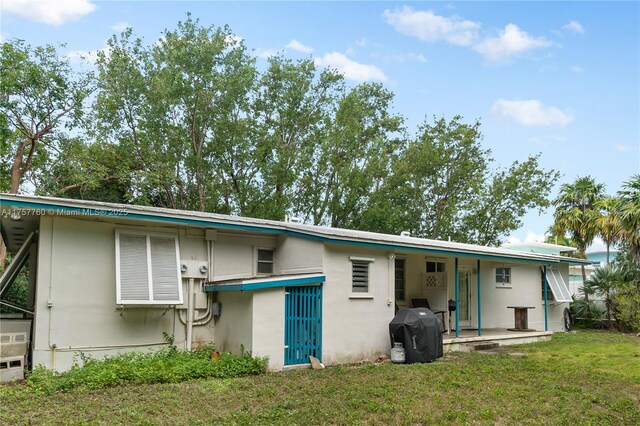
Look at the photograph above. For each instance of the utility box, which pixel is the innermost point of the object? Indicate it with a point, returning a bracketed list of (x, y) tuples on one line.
[(198, 269)]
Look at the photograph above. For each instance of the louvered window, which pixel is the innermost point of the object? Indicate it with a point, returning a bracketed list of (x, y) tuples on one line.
[(360, 274), (147, 269)]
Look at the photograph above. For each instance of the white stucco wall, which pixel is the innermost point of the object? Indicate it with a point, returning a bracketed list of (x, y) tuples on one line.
[(296, 255), (268, 326), (234, 255), (76, 276), (356, 327), (233, 329)]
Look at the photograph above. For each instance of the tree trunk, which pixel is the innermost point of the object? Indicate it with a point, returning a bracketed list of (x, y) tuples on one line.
[(586, 295), (608, 253)]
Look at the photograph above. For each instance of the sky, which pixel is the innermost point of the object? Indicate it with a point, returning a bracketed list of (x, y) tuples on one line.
[(557, 78)]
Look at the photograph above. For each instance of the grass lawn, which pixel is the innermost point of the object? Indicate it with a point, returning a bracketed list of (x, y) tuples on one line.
[(575, 379)]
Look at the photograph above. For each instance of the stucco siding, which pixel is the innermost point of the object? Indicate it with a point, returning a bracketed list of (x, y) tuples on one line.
[(233, 329), (355, 328), (298, 255), (76, 296), (268, 326)]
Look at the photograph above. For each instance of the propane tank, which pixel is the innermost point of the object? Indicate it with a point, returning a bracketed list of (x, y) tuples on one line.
[(397, 353)]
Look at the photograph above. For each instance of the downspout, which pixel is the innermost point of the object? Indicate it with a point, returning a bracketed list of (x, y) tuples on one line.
[(190, 313), (457, 301), (546, 303), (479, 303)]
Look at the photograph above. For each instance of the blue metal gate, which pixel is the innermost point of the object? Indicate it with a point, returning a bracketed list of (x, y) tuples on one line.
[(303, 324)]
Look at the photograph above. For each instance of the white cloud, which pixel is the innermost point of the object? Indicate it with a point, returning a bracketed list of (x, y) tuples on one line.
[(624, 148), (55, 13), (266, 53), (406, 57), (531, 237), (576, 68), (120, 26), (511, 42), (362, 42), (597, 245), (351, 69), (531, 112), (574, 27), (296, 45), (427, 26)]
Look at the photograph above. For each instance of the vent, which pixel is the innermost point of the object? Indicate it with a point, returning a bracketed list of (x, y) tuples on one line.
[(360, 276)]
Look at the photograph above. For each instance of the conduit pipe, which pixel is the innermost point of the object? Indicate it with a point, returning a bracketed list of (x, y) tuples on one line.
[(190, 313)]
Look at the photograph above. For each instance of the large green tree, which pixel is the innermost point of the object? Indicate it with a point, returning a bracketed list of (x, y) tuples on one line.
[(172, 106), (629, 213), (442, 186), (577, 213)]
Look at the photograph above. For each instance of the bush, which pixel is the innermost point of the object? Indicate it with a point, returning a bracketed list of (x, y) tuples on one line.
[(165, 366), (626, 303)]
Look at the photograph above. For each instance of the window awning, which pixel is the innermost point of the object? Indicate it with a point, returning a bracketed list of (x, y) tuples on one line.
[(558, 286), (266, 282)]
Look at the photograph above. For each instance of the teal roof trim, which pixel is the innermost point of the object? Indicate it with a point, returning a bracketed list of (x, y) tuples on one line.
[(258, 228), (260, 285)]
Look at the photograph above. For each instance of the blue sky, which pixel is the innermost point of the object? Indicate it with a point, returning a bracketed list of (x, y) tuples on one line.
[(561, 79)]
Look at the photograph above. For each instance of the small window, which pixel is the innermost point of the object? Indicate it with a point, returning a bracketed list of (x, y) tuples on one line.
[(147, 269), (400, 278), (359, 276), (435, 266), (503, 275), (265, 261)]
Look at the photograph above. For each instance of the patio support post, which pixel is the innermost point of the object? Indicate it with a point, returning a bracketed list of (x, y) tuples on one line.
[(457, 301), (546, 316), (479, 303)]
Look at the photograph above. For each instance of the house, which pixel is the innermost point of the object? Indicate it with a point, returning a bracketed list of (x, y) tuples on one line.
[(106, 278)]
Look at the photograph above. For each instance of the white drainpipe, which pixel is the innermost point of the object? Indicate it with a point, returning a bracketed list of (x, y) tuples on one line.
[(190, 313)]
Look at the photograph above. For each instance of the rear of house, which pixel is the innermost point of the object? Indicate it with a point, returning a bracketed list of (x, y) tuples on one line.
[(107, 278)]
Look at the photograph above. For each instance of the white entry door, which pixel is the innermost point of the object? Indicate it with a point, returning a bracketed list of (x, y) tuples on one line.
[(464, 297)]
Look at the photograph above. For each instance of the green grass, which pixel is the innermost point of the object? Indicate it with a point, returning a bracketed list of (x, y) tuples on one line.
[(577, 378)]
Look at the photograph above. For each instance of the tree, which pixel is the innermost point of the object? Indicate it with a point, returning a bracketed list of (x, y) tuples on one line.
[(629, 212), (603, 282), (173, 106), (441, 186), (351, 159), (39, 94), (577, 214), (609, 225)]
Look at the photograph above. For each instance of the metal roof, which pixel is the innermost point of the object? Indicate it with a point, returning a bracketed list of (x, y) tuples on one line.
[(76, 208)]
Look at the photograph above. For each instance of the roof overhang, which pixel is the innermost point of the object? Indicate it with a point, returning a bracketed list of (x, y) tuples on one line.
[(79, 208), (267, 282)]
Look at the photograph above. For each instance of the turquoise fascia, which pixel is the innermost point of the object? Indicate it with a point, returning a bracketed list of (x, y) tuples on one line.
[(256, 228), (259, 285)]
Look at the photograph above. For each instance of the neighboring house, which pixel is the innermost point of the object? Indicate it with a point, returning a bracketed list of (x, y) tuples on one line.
[(106, 278)]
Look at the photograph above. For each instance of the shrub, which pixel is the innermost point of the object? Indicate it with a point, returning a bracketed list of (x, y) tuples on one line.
[(626, 303), (165, 366)]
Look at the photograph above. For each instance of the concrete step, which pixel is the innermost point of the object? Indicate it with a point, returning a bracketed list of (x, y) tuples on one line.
[(478, 346)]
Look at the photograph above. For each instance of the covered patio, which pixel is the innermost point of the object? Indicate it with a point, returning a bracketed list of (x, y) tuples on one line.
[(481, 298)]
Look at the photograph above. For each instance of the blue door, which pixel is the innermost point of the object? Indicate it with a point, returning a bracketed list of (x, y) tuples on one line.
[(303, 324)]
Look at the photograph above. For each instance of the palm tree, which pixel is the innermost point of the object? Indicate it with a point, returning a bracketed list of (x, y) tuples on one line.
[(576, 213), (629, 211), (609, 221), (603, 282)]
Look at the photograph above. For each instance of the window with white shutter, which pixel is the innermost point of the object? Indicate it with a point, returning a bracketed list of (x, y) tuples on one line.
[(147, 269)]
